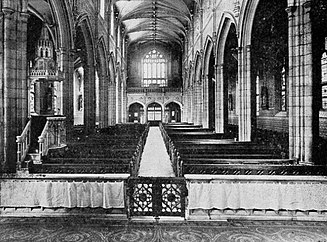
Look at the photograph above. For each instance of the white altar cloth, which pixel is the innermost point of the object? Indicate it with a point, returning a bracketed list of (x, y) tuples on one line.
[(274, 195), (67, 194)]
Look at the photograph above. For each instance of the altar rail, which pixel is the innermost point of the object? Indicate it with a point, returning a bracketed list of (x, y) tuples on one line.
[(63, 195), (209, 197), (23, 143), (53, 135), (214, 197)]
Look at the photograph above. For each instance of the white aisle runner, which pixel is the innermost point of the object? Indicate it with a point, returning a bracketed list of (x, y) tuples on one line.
[(155, 160)]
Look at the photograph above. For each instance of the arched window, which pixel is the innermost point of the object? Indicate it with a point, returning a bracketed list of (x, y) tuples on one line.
[(154, 69)]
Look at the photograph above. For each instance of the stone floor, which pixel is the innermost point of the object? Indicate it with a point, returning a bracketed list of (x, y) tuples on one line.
[(81, 229), (155, 161)]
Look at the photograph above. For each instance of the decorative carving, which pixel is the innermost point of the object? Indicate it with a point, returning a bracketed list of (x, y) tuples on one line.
[(237, 8), (157, 196)]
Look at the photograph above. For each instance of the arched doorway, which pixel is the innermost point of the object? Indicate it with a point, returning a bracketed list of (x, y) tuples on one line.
[(172, 113), (154, 112), (136, 113)]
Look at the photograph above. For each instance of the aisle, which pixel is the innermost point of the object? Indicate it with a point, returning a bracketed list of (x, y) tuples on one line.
[(155, 160)]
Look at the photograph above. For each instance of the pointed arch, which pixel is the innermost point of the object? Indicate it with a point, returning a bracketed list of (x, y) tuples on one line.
[(112, 68), (172, 111), (102, 57), (197, 67), (103, 87), (135, 102), (112, 89), (85, 25), (227, 22), (224, 26), (85, 39), (247, 13), (208, 47), (197, 99), (136, 112), (209, 84)]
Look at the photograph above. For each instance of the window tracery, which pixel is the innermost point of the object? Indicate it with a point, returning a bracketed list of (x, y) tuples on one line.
[(154, 69)]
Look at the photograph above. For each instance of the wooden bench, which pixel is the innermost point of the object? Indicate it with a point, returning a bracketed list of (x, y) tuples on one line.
[(81, 168), (254, 169), (90, 160), (188, 129), (110, 150), (213, 161), (194, 135)]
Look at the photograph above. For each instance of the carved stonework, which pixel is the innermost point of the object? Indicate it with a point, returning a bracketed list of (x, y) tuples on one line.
[(237, 8)]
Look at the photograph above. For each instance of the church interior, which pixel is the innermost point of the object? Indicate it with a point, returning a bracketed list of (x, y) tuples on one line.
[(163, 120)]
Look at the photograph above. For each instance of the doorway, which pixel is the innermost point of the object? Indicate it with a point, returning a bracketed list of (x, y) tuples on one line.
[(136, 113), (172, 113), (154, 112)]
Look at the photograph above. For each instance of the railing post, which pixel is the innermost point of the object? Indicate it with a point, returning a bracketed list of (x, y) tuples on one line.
[(19, 153), (41, 144)]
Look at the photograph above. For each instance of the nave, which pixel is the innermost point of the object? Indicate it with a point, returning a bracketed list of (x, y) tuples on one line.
[(164, 110)]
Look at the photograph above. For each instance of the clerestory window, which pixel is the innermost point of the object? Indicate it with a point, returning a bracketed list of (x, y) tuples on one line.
[(154, 69)]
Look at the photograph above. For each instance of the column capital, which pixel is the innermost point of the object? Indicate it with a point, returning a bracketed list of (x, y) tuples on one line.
[(290, 10), (7, 11), (307, 4), (24, 16)]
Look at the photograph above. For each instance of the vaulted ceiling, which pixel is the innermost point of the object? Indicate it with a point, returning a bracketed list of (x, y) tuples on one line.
[(160, 21)]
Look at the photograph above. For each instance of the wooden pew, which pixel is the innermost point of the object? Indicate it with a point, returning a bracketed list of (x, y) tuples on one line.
[(89, 160), (253, 169), (238, 161), (111, 150), (82, 168)]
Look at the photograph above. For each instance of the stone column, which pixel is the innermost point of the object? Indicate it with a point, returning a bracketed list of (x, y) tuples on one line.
[(14, 87), (145, 112), (300, 83), (112, 103), (124, 102), (89, 98), (198, 103), (2, 118), (244, 118), (205, 106), (105, 101), (184, 108), (103, 111), (192, 99), (219, 119), (118, 99), (67, 65), (22, 79), (9, 90)]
